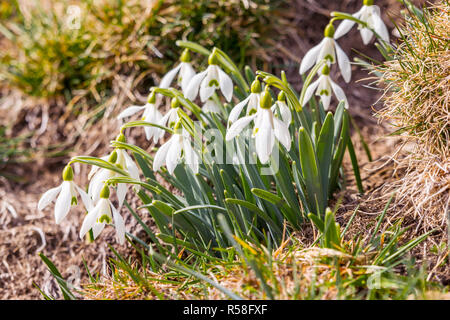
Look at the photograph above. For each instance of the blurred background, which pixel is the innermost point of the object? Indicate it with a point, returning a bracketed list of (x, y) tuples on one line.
[(67, 68)]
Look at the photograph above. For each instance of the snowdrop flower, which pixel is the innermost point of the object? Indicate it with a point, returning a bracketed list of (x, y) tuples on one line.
[(98, 216), (323, 87), (184, 70), (370, 14), (169, 154), (327, 49), (98, 176), (285, 112), (267, 128), (67, 197), (252, 103), (171, 117), (151, 114), (209, 81)]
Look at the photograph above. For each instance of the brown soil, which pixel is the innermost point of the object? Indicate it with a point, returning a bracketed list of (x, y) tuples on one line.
[(24, 232)]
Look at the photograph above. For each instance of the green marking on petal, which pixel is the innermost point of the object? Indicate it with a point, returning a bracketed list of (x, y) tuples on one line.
[(329, 57), (213, 83), (324, 92), (105, 218), (74, 201)]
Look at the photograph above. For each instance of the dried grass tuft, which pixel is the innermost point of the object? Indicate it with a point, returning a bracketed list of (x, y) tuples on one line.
[(416, 99)]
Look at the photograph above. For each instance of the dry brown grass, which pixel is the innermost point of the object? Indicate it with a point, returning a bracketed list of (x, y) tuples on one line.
[(417, 96)]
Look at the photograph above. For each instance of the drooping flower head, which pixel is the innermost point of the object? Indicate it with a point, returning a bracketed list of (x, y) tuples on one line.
[(252, 103), (98, 176), (65, 195), (329, 50), (178, 147), (171, 117), (104, 212), (283, 109), (151, 114), (323, 87), (370, 14), (266, 128), (208, 81), (184, 70)]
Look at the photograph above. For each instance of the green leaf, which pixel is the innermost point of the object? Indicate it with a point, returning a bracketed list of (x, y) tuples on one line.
[(310, 172), (93, 161), (324, 147), (67, 293)]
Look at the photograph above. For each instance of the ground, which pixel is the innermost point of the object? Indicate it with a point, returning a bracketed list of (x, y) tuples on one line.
[(24, 231)]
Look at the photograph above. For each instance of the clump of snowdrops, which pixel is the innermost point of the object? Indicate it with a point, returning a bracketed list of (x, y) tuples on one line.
[(243, 153)]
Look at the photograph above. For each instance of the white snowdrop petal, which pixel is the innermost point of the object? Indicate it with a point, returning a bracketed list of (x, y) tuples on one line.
[(226, 85), (310, 91), (89, 220), (186, 73), (237, 127), (310, 57), (264, 138), (130, 111), (344, 63), (285, 112), (121, 193), (366, 35), (282, 133), (326, 99), (97, 228), (48, 197), (380, 28), (168, 78), (119, 224), (87, 201), (168, 117), (194, 84), (63, 202), (236, 111), (174, 154), (161, 155), (343, 28), (339, 93)]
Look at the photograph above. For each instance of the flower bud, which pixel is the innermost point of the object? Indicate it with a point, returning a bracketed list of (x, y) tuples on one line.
[(281, 96), (329, 31), (67, 173), (175, 103), (105, 192), (256, 86), (266, 100), (185, 56)]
